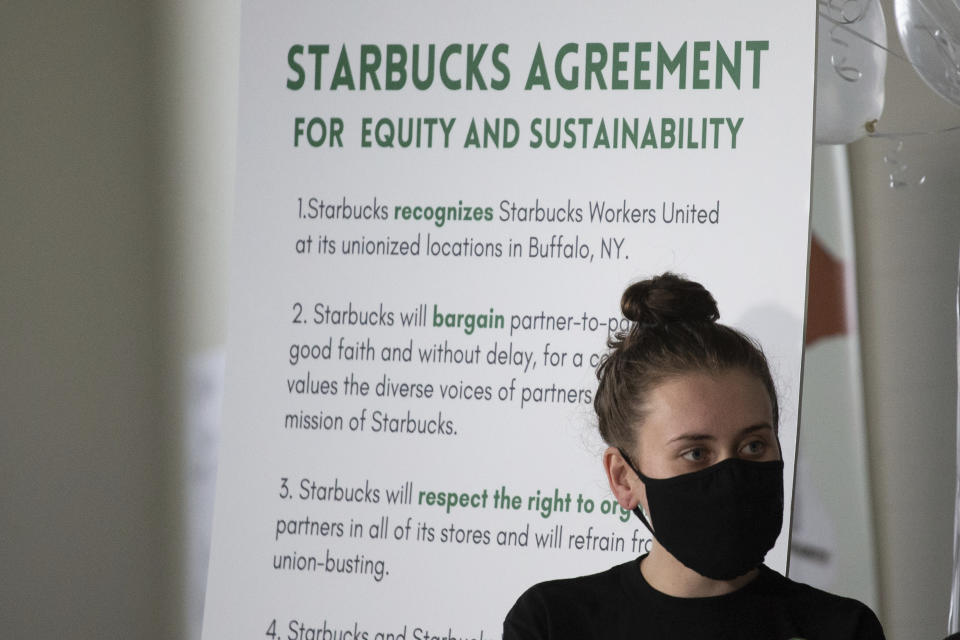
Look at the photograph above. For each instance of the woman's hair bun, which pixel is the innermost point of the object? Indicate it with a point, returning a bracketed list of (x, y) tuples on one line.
[(668, 298)]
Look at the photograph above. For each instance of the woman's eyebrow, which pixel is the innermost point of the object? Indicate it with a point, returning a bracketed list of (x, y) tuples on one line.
[(696, 436), (693, 436), (755, 428)]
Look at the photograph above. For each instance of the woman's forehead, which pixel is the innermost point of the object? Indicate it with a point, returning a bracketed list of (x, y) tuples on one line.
[(721, 404)]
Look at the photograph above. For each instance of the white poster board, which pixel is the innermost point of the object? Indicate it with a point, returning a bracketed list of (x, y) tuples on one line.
[(438, 207)]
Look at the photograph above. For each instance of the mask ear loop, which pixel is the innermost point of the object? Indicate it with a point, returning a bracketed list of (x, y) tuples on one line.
[(637, 511)]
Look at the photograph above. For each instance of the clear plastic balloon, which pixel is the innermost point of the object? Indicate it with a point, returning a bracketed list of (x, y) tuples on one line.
[(930, 34), (851, 64)]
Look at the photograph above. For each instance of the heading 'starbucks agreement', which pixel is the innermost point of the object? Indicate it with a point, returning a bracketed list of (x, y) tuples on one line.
[(479, 67)]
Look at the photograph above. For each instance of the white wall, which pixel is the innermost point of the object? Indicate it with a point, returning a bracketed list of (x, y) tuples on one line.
[(197, 61), (82, 517), (907, 244)]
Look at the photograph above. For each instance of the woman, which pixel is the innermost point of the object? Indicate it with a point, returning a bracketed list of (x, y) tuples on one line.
[(689, 411)]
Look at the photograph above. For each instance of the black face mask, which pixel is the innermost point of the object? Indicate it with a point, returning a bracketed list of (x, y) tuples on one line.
[(719, 521)]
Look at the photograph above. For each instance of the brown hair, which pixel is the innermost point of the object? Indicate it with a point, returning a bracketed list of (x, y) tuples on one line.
[(674, 330)]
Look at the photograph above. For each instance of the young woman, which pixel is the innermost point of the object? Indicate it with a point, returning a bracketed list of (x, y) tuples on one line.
[(689, 411)]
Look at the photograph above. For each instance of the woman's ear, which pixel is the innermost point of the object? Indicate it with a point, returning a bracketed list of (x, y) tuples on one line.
[(624, 483)]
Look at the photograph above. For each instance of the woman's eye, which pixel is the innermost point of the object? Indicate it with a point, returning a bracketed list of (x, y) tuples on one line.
[(754, 447), (695, 455)]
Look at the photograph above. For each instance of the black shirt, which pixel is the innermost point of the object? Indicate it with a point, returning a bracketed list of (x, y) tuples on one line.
[(619, 603)]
